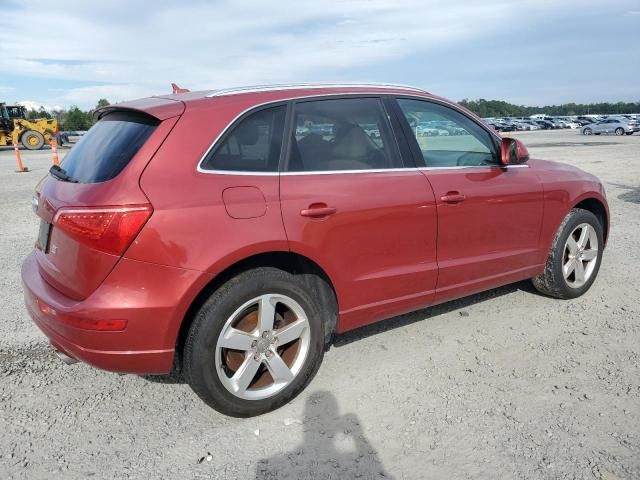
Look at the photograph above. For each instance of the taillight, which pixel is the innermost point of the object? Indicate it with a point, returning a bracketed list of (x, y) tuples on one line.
[(108, 229)]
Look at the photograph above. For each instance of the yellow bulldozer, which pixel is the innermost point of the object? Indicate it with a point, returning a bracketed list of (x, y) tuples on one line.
[(15, 127)]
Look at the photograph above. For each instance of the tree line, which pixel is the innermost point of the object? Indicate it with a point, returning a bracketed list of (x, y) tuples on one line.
[(69, 119), (498, 108), (76, 119)]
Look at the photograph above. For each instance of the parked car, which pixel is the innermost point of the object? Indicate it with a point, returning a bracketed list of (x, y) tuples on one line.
[(631, 122), (231, 234), (527, 125), (545, 124), (75, 135), (608, 125)]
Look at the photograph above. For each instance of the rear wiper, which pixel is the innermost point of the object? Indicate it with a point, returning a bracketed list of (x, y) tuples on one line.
[(61, 174)]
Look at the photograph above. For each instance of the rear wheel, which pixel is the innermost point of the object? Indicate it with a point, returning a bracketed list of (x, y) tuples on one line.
[(574, 260), (629, 133), (255, 344), (32, 140), (619, 131)]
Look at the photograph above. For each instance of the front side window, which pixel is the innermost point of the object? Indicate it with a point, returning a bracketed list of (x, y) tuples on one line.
[(446, 137), (342, 134), (253, 145)]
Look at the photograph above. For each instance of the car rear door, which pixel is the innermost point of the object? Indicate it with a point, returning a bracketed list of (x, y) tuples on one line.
[(351, 203), (489, 216)]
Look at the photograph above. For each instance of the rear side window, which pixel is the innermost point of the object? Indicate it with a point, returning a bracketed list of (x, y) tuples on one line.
[(342, 134), (108, 146), (253, 145)]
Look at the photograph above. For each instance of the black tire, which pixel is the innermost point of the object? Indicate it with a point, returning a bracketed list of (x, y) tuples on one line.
[(619, 131), (552, 282), (629, 133), (32, 140), (587, 131), (199, 355)]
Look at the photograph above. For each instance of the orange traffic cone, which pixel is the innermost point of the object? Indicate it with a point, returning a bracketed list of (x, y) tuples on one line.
[(54, 151), (21, 168)]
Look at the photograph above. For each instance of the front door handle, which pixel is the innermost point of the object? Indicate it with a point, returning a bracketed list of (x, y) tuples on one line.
[(452, 197), (318, 210)]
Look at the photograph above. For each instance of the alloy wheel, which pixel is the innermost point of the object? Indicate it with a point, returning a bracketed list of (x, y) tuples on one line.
[(262, 347), (580, 255)]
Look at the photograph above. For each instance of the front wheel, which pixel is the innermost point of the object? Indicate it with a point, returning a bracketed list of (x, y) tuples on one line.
[(587, 131), (574, 260), (619, 131), (32, 140), (255, 344)]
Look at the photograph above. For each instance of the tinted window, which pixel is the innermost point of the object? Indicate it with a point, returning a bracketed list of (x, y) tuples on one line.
[(342, 134), (446, 137), (253, 145), (108, 146)]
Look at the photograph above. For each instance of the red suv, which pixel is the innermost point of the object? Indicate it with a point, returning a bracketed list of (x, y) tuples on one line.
[(230, 234)]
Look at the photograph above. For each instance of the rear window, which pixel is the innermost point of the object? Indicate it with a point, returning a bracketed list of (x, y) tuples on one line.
[(108, 146)]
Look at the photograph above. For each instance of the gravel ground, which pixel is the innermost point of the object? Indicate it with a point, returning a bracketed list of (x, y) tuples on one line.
[(504, 384)]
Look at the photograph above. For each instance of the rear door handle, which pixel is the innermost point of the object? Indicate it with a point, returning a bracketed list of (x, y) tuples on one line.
[(318, 210), (452, 197)]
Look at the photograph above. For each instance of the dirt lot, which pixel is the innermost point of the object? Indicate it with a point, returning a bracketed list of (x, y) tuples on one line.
[(505, 384)]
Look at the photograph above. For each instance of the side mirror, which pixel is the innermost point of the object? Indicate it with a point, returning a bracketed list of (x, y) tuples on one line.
[(513, 152)]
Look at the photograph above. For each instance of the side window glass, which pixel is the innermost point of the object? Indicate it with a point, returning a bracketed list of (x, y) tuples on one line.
[(446, 137), (342, 134), (253, 145)]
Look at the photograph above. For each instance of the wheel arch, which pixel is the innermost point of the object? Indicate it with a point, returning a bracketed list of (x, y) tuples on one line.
[(598, 208), (311, 273)]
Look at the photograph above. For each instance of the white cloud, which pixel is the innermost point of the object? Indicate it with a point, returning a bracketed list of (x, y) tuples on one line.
[(127, 49), (33, 105)]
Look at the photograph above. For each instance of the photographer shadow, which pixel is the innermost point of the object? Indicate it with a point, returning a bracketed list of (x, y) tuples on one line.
[(334, 446)]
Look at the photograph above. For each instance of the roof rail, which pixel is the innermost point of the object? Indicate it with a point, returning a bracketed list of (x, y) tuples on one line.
[(294, 86)]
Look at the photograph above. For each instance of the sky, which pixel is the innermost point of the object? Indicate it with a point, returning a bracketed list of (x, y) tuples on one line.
[(538, 52)]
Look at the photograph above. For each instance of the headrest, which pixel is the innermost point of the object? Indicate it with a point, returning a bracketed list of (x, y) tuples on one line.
[(355, 143)]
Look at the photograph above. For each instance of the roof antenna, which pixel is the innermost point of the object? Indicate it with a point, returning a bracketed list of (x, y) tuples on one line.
[(177, 89)]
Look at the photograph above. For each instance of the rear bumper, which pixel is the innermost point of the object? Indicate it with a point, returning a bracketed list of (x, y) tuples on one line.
[(152, 298)]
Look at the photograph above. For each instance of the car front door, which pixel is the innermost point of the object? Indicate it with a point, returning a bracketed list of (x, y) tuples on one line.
[(350, 203), (489, 215)]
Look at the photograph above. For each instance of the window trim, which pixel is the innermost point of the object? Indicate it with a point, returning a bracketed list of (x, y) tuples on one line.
[(418, 157), (410, 162)]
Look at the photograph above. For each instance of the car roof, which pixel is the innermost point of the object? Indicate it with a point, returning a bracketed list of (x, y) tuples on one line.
[(300, 89), (165, 106)]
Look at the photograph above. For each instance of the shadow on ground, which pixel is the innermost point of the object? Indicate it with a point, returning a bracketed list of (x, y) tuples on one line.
[(632, 194), (431, 312), (392, 323), (333, 446)]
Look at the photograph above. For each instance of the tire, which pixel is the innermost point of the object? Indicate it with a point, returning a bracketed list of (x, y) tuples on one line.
[(629, 133), (32, 140), (587, 131), (232, 317), (552, 281), (619, 131)]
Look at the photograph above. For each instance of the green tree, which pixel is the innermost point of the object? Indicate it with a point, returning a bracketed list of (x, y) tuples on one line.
[(103, 102), (76, 119)]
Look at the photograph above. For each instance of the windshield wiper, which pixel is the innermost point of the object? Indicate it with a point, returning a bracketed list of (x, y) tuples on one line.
[(61, 174)]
